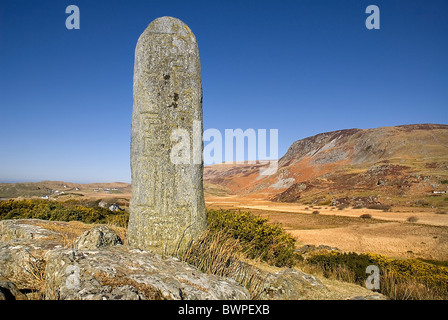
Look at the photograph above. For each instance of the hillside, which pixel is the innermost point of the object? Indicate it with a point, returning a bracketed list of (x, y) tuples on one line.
[(88, 194), (406, 165), (403, 165)]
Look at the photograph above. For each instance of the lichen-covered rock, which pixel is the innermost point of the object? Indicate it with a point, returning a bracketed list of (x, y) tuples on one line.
[(167, 207), (23, 243), (25, 229), (290, 284), (29, 260), (97, 237), (9, 291), (121, 273)]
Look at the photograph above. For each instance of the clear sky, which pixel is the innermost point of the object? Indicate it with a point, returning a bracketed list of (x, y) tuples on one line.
[(302, 67)]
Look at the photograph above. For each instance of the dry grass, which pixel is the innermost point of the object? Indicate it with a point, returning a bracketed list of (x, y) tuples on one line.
[(393, 287), (220, 254), (405, 289), (215, 253), (31, 278), (340, 273), (69, 231), (386, 233)]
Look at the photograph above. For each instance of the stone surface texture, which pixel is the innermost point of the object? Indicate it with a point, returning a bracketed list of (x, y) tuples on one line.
[(100, 270), (97, 237), (167, 207), (47, 267)]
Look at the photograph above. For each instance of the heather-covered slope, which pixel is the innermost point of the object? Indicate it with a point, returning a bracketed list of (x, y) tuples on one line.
[(404, 164)]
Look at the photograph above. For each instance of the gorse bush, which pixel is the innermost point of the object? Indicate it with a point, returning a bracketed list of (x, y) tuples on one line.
[(401, 279), (333, 261), (57, 211), (258, 239)]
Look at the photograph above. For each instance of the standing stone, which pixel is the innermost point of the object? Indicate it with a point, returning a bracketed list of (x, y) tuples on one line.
[(167, 207)]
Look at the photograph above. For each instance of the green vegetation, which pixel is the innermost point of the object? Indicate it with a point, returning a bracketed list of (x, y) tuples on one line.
[(325, 202), (444, 182), (59, 211), (258, 239), (433, 200), (383, 207), (435, 262), (233, 236), (399, 278)]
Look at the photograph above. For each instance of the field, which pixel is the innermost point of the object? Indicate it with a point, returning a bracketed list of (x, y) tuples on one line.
[(389, 233), (84, 194)]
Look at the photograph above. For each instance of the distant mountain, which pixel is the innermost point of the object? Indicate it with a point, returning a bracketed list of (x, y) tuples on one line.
[(402, 165), (405, 164)]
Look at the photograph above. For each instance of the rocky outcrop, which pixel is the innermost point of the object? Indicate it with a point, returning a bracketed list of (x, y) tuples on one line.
[(35, 257), (25, 229), (122, 273), (98, 267), (290, 284), (387, 161), (97, 237)]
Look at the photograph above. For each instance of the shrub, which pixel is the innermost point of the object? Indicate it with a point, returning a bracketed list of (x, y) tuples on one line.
[(325, 203), (58, 211), (259, 239), (412, 219), (315, 212), (366, 216), (400, 279), (334, 261), (383, 207)]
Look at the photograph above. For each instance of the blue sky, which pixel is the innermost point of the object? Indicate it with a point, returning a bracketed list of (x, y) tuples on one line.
[(302, 67)]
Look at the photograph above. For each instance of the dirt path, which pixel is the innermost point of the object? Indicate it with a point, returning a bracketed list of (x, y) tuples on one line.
[(424, 216), (387, 233)]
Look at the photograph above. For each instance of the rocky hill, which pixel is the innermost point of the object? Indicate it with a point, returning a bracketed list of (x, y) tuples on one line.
[(405, 165)]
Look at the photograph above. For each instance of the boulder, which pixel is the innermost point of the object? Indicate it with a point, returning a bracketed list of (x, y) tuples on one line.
[(26, 229), (97, 237), (34, 256), (290, 284), (23, 243), (123, 273)]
